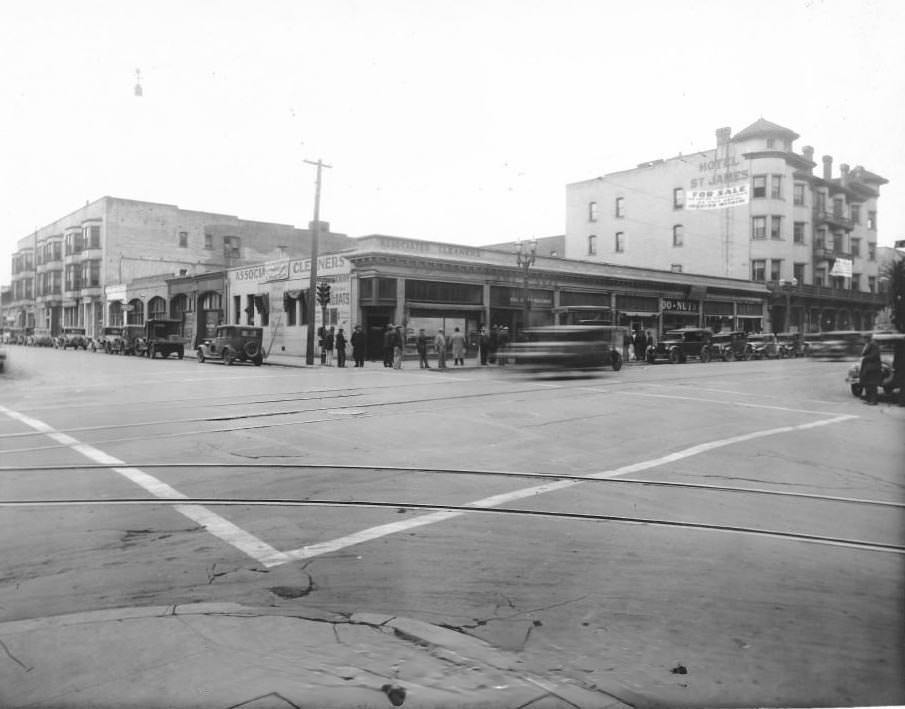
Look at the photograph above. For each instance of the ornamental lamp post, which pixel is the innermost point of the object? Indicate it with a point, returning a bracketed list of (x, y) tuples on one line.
[(525, 256)]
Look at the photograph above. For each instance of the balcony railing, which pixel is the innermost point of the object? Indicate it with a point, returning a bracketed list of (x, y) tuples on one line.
[(833, 219)]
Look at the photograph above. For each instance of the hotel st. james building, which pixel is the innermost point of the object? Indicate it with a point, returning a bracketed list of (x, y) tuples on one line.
[(751, 208)]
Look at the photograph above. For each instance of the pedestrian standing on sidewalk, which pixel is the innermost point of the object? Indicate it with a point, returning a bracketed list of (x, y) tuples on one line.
[(329, 340), (322, 343), (492, 344), (626, 347), (871, 373), (440, 347), (398, 346), (358, 346), (388, 346), (458, 348), (340, 348), (421, 346), (483, 344)]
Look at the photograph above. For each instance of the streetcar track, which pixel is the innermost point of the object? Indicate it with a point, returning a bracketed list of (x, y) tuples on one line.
[(461, 471), (456, 510)]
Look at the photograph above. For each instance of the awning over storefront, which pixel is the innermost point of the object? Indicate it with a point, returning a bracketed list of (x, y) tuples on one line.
[(413, 305)]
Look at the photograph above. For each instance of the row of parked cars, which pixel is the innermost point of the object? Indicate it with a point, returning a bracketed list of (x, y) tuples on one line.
[(159, 336), (678, 346)]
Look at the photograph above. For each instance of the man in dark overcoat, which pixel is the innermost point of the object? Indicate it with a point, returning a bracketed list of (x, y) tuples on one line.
[(871, 372)]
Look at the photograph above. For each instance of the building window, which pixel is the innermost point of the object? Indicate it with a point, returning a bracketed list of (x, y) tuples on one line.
[(838, 207), (676, 268), (821, 238), (798, 273), (776, 186), (820, 276), (798, 232), (592, 211), (620, 242), (94, 237), (250, 310), (798, 194), (856, 247), (856, 281), (208, 241), (771, 143), (237, 309), (872, 250), (872, 221), (775, 227), (758, 227), (775, 269), (678, 235), (592, 245), (759, 186), (758, 269), (855, 210), (620, 207), (678, 198), (872, 284), (183, 239), (821, 202)]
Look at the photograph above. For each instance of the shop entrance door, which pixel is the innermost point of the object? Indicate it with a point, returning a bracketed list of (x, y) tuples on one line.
[(375, 325)]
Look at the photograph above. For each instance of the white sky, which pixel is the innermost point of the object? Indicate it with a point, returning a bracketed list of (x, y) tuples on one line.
[(458, 121)]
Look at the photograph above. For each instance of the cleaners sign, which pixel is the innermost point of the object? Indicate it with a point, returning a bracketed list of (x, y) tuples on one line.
[(719, 198)]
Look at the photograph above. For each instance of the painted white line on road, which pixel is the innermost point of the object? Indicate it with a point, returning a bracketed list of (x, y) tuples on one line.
[(214, 523), (384, 530), (739, 393), (730, 403)]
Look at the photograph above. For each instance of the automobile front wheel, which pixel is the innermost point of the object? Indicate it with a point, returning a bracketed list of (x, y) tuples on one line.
[(200, 355), (674, 356), (729, 355), (857, 390), (705, 355), (651, 358), (228, 358), (617, 361), (258, 361)]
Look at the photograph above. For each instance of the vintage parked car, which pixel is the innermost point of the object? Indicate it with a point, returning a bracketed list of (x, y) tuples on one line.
[(891, 381), (73, 337), (730, 346), (133, 340), (678, 345), (234, 343), (567, 347), (764, 346), (111, 340), (162, 337), (42, 338), (791, 344)]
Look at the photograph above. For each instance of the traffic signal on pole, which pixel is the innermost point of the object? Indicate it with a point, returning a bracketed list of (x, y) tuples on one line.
[(323, 293)]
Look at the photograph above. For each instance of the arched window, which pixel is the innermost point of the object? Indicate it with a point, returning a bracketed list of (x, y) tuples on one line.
[(115, 314), (211, 301), (178, 306), (157, 307), (136, 312)]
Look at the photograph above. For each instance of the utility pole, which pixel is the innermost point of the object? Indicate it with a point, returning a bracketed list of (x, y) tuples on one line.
[(312, 279)]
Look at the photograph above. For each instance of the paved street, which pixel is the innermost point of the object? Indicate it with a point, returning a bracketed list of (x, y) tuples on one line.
[(668, 535)]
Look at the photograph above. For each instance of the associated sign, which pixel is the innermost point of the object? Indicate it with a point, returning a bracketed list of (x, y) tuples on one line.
[(720, 198), (842, 267)]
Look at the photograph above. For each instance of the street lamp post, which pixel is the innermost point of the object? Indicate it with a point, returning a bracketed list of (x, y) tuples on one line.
[(525, 256)]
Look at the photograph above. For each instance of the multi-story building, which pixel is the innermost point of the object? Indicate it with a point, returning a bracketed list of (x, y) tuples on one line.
[(76, 270), (749, 208)]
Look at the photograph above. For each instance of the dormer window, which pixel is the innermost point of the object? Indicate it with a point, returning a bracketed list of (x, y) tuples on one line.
[(771, 143)]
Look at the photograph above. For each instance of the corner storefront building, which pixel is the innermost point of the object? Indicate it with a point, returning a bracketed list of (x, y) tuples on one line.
[(385, 280)]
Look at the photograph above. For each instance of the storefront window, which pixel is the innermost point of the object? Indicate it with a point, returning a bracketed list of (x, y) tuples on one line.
[(434, 292)]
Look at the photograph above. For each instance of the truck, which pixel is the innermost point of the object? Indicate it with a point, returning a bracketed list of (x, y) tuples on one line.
[(162, 336)]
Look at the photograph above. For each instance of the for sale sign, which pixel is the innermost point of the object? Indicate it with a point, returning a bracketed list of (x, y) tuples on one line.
[(719, 198)]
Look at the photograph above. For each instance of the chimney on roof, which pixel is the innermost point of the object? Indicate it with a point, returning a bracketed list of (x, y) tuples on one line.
[(843, 172), (827, 167), (808, 152), (722, 136)]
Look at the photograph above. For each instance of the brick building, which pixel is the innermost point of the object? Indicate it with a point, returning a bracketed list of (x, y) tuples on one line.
[(77, 270)]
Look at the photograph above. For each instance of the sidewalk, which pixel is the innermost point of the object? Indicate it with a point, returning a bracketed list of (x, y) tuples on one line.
[(228, 655), (410, 362)]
